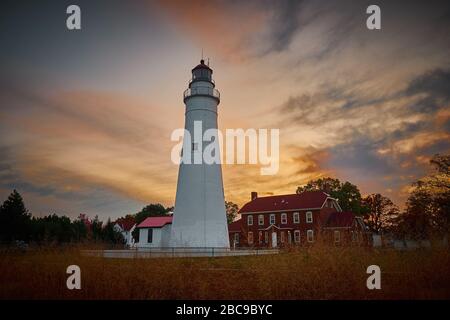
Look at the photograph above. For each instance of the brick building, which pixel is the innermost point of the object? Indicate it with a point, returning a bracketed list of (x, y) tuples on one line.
[(295, 219)]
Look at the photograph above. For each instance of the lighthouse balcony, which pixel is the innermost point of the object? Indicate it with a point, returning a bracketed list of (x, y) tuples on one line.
[(201, 91)]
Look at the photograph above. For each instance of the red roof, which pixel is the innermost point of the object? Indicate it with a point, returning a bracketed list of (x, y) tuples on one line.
[(155, 222), (235, 226), (304, 200), (340, 220)]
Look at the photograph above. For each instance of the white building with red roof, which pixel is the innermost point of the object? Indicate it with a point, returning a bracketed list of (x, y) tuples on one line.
[(154, 232)]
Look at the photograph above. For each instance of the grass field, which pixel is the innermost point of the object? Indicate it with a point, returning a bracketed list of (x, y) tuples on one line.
[(314, 273)]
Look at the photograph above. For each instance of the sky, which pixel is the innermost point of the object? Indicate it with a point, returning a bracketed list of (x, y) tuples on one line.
[(86, 116)]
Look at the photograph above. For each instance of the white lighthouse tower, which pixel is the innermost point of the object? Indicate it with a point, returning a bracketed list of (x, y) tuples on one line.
[(199, 218)]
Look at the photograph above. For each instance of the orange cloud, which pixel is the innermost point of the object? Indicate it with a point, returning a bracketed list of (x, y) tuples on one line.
[(223, 28)]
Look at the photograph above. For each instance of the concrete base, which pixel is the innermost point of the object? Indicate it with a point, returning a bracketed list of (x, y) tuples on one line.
[(175, 253)]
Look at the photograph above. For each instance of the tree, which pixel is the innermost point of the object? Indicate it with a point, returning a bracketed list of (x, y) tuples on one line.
[(231, 210), (79, 230), (14, 218), (109, 234), (428, 205), (381, 212), (348, 195), (96, 228)]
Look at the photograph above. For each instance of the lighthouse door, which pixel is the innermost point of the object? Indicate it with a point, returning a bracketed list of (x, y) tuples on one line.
[(274, 239)]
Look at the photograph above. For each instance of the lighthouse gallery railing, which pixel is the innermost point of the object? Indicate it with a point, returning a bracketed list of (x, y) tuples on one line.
[(201, 91)]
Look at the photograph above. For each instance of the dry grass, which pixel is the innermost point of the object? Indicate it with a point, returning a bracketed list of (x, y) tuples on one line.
[(315, 273)]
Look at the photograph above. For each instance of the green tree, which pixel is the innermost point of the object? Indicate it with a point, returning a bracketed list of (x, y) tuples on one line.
[(231, 210), (14, 218), (348, 195), (79, 230), (96, 228), (109, 234), (428, 205), (381, 212)]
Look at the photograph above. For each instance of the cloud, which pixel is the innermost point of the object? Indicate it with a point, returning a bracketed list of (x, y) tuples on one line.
[(80, 145)]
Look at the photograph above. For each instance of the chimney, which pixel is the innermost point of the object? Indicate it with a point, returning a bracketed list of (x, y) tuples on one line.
[(254, 195)]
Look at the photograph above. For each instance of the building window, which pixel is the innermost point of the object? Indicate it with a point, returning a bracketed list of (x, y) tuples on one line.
[(150, 236), (282, 236), (261, 220), (296, 217), (283, 218), (337, 236), (310, 235), (309, 217), (272, 219), (260, 237), (250, 220), (289, 237), (266, 237), (250, 237), (236, 238), (297, 236)]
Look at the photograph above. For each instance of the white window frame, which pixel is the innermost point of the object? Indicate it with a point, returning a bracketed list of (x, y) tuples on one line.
[(266, 237), (250, 237), (249, 220), (309, 217), (337, 236), (284, 218), (274, 219), (297, 232), (260, 237), (310, 235), (296, 217), (261, 220)]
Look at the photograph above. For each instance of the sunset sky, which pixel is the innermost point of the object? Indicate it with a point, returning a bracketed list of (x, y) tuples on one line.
[(86, 116)]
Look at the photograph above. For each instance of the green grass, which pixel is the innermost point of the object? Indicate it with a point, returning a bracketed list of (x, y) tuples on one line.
[(314, 273)]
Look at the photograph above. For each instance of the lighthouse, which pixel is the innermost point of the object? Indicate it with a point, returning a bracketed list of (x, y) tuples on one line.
[(199, 218)]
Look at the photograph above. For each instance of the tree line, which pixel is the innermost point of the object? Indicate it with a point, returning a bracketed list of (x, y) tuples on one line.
[(18, 224), (427, 209), (426, 213)]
